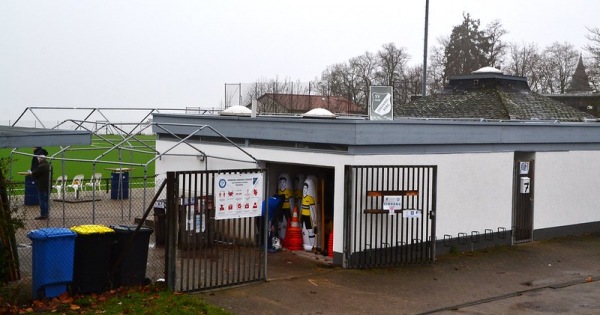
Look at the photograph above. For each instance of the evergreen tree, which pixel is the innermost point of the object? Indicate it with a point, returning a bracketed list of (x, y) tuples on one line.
[(468, 48)]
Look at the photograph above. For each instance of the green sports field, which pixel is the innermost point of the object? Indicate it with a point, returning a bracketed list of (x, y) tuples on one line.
[(80, 159)]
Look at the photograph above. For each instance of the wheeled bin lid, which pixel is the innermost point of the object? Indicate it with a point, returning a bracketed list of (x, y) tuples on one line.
[(51, 232), (91, 229), (126, 229)]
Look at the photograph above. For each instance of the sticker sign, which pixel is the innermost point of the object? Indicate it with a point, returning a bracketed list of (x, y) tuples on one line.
[(238, 195), (193, 221), (523, 168), (411, 214), (392, 203)]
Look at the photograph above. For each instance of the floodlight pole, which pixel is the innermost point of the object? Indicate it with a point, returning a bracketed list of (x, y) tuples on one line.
[(424, 81)]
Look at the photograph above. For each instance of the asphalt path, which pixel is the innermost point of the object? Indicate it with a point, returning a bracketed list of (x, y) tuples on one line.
[(542, 277)]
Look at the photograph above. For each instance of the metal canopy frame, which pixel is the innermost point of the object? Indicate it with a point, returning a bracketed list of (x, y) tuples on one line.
[(128, 137), (128, 134)]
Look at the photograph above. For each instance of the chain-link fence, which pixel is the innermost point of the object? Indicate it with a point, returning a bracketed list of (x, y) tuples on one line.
[(106, 203), (111, 206)]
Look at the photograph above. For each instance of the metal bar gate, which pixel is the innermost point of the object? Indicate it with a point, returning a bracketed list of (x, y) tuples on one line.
[(204, 253), (390, 215)]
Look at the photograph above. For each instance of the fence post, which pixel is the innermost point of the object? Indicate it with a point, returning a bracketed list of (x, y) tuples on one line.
[(171, 230)]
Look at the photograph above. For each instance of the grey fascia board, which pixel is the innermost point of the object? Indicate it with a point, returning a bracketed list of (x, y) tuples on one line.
[(397, 132)]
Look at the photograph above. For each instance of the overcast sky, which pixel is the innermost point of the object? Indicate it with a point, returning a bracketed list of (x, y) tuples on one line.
[(150, 53)]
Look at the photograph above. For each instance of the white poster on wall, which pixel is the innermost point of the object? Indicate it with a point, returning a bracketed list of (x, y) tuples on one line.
[(392, 203), (238, 195)]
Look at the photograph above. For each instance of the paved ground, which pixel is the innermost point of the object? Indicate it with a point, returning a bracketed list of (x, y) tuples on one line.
[(556, 276)]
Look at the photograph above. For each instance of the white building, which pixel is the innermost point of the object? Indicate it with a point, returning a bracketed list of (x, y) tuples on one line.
[(463, 184)]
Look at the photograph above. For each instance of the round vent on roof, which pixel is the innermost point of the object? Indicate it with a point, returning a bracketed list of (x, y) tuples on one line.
[(319, 113), (237, 110), (487, 70)]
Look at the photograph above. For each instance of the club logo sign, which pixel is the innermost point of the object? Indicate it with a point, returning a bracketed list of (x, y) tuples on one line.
[(381, 105)]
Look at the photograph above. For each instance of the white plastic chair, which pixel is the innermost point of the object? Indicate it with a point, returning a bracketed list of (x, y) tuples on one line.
[(95, 182), (76, 184), (59, 185)]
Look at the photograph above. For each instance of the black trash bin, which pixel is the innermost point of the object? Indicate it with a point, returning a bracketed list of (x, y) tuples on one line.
[(160, 228), (119, 184), (92, 258), (129, 255)]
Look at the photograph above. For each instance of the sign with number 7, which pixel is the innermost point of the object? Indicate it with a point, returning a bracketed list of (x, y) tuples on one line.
[(525, 185)]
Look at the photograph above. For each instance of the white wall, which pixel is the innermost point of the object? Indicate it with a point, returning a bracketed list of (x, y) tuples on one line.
[(474, 190), (566, 188)]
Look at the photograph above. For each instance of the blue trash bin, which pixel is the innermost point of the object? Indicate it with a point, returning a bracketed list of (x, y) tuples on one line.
[(31, 192), (119, 185), (53, 254)]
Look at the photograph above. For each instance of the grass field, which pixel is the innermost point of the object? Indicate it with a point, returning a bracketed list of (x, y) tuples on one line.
[(80, 159)]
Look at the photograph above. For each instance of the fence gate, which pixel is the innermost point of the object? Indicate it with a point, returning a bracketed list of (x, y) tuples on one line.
[(204, 253), (390, 215)]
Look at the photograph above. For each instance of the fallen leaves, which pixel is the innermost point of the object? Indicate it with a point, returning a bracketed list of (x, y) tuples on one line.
[(66, 302)]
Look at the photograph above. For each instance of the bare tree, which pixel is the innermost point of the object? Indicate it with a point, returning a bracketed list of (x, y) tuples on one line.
[(594, 49), (412, 83), (497, 48), (436, 78), (343, 80), (391, 63), (333, 78), (391, 68), (545, 73), (364, 67), (523, 61), (560, 61), (594, 46)]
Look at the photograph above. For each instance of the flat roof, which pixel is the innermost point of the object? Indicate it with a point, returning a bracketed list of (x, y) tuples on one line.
[(385, 137), (24, 137)]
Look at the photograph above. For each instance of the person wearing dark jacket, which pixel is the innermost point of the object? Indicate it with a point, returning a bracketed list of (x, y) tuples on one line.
[(41, 176), (37, 151)]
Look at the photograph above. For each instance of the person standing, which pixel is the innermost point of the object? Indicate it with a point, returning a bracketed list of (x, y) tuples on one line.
[(41, 176), (37, 151)]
